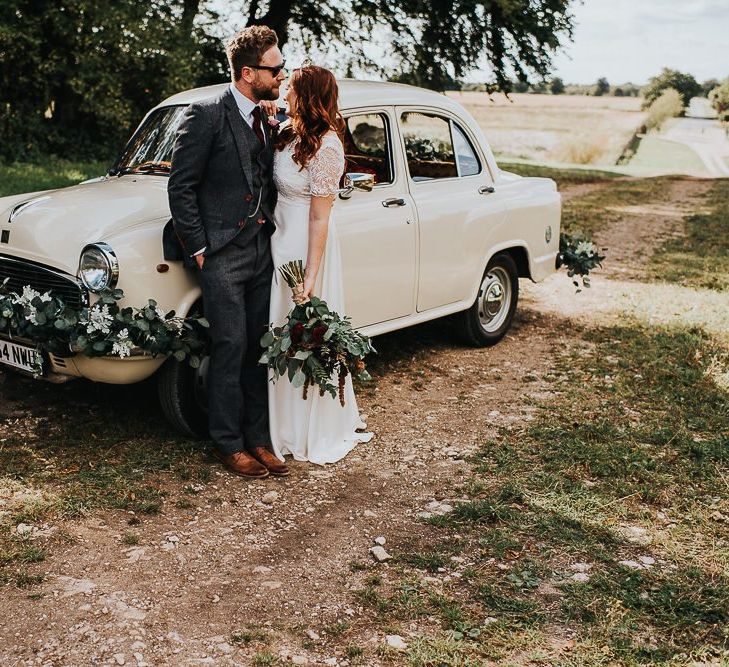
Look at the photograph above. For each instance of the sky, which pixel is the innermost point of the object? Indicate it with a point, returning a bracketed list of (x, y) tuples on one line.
[(632, 40)]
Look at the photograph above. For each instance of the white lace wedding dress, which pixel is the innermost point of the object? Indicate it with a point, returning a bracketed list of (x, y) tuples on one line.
[(317, 429)]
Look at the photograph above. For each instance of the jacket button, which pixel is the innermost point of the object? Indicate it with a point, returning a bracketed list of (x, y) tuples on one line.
[(241, 223), (248, 197)]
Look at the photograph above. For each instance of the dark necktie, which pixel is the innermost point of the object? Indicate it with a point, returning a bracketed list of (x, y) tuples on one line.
[(257, 126)]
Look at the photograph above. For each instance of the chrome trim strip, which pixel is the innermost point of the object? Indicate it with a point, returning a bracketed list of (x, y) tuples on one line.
[(19, 208)]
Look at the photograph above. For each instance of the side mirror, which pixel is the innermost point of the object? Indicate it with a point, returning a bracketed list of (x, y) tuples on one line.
[(356, 181)]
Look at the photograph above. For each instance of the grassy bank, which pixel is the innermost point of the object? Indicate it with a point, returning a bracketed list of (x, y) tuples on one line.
[(594, 535), (20, 177)]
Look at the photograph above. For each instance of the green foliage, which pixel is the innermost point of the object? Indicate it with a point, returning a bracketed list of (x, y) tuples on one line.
[(22, 177), (719, 97), (667, 105), (101, 329), (76, 78), (685, 84)]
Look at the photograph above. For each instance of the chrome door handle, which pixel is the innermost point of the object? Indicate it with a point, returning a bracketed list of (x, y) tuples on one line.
[(486, 190), (395, 201)]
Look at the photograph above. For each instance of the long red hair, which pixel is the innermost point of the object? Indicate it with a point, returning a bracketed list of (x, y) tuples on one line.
[(316, 113)]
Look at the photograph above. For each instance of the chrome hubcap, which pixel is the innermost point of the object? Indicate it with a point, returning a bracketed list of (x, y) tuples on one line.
[(494, 298)]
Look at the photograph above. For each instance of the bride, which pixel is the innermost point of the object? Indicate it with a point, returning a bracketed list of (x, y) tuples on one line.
[(308, 165)]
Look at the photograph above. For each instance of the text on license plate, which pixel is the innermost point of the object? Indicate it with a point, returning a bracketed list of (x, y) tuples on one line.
[(16, 355)]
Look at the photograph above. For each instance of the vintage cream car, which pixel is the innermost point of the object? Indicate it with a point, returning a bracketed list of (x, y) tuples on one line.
[(428, 223)]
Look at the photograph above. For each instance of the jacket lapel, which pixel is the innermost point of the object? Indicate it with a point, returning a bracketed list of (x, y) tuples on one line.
[(239, 136)]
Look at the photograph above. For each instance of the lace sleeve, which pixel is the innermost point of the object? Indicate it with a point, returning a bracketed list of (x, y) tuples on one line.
[(327, 167)]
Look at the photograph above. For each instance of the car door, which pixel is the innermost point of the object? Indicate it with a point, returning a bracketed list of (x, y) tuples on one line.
[(377, 229), (456, 203)]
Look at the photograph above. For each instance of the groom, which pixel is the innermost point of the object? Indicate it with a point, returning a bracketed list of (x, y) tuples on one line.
[(222, 197)]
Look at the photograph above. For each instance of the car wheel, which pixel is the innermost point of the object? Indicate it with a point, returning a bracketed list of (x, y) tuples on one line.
[(489, 318), (182, 395)]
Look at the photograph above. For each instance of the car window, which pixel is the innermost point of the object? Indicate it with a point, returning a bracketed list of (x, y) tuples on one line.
[(428, 146), (367, 146), (150, 149), (468, 162)]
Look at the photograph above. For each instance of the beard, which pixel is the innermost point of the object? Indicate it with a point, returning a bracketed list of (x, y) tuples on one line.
[(269, 93)]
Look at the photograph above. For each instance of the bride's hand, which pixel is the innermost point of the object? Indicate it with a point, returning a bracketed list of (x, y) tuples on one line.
[(308, 289), (270, 107)]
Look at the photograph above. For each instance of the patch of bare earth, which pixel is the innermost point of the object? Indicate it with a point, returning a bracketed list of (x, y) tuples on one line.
[(236, 563), (235, 575)]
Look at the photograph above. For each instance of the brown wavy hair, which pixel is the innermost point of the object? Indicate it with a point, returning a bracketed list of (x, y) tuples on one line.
[(316, 113)]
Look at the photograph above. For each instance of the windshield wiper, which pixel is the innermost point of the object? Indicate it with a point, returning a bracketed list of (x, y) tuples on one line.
[(146, 168)]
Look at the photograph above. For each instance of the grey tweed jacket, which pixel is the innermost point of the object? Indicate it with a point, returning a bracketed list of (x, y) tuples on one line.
[(210, 187)]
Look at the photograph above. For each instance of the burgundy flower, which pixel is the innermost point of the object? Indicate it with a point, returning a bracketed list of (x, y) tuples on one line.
[(297, 332), (318, 334)]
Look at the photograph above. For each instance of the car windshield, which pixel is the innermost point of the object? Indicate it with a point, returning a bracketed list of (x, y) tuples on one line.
[(150, 150)]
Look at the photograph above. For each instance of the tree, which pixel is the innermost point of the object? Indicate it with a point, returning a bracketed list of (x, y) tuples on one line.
[(433, 42), (709, 85), (75, 80), (719, 98), (602, 87), (77, 75), (685, 84), (556, 86), (668, 104)]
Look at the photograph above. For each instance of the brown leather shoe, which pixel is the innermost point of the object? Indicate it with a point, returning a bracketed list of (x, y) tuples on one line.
[(243, 464), (267, 458)]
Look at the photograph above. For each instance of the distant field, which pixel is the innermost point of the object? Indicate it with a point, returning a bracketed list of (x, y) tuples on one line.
[(555, 128)]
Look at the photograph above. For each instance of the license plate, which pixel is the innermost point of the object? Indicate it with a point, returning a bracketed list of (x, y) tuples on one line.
[(19, 356)]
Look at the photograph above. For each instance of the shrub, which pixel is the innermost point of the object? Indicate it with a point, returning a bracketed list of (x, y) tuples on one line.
[(668, 105)]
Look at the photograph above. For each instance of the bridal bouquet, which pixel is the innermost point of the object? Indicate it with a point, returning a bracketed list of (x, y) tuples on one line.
[(315, 346)]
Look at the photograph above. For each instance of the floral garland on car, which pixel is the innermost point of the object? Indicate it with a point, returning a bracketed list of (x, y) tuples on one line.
[(99, 330)]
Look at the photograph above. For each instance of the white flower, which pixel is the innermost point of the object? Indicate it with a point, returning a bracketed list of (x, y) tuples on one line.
[(7, 312), (123, 345), (160, 313), (585, 248), (174, 324), (27, 296), (99, 320), (32, 312)]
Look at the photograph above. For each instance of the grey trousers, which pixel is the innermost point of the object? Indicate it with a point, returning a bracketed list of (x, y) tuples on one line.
[(236, 286)]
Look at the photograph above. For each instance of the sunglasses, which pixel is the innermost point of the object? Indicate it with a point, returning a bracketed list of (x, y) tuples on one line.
[(274, 70)]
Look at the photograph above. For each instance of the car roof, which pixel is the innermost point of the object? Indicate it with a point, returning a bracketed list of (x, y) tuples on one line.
[(353, 94)]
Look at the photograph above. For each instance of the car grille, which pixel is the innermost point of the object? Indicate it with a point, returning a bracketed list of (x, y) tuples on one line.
[(43, 279)]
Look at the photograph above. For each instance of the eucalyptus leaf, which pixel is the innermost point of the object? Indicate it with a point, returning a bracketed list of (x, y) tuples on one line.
[(298, 379)]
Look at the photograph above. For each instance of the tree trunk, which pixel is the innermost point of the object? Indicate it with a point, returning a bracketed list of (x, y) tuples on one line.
[(190, 9), (277, 18)]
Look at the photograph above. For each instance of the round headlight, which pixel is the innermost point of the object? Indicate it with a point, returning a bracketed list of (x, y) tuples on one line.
[(98, 267)]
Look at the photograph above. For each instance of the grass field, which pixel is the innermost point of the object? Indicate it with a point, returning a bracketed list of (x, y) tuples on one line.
[(555, 128), (22, 177), (655, 153)]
